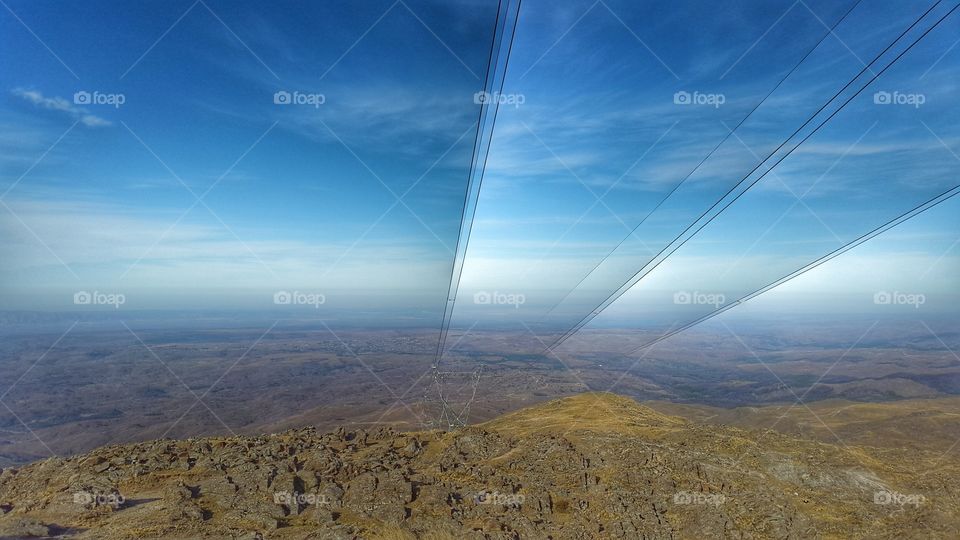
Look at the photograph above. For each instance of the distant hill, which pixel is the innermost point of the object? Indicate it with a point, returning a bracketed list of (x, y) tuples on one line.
[(589, 466)]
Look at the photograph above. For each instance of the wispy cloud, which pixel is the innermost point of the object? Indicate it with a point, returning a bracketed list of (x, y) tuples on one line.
[(60, 104), (100, 240)]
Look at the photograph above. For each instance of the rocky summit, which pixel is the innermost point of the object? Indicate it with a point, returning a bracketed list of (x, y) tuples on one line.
[(589, 466)]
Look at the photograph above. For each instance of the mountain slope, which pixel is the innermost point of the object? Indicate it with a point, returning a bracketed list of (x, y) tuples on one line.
[(919, 424), (588, 466)]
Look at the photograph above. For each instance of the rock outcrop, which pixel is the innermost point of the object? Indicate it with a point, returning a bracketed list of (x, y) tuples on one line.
[(590, 466)]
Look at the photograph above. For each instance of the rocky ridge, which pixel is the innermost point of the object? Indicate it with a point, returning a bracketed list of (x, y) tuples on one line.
[(589, 466)]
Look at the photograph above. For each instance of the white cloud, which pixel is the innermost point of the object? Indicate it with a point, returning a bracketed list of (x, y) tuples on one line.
[(62, 105), (100, 241)]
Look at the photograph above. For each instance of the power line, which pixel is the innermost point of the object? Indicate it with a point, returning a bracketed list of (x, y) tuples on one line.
[(704, 160), (506, 22), (634, 279), (916, 211)]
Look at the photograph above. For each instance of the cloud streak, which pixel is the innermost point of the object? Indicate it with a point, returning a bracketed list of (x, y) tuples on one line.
[(61, 105)]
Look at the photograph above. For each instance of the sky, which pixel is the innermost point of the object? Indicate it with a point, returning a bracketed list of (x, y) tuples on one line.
[(617, 145), (199, 189), (201, 154)]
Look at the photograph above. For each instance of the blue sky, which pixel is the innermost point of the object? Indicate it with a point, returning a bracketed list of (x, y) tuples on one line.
[(301, 196), (589, 139), (866, 165)]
